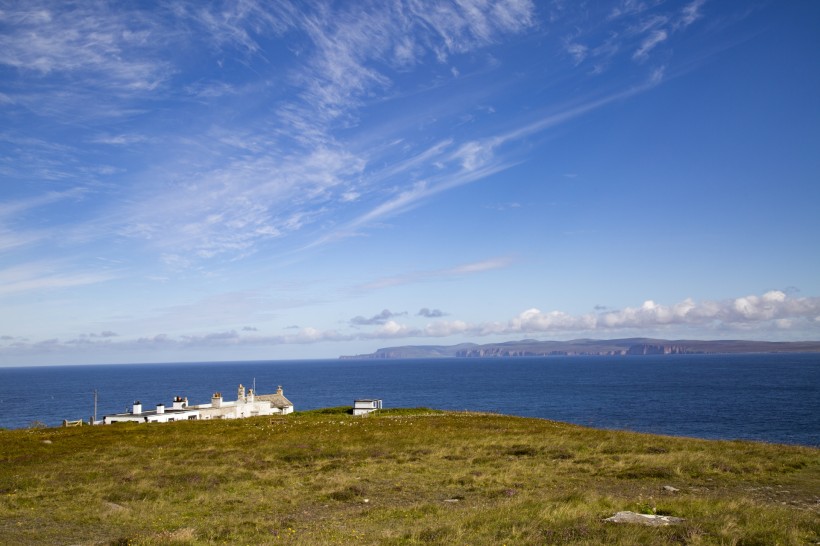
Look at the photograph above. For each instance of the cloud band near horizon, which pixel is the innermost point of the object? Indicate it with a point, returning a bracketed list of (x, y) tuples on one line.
[(742, 315)]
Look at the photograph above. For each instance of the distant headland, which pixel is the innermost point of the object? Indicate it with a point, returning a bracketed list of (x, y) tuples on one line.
[(592, 347)]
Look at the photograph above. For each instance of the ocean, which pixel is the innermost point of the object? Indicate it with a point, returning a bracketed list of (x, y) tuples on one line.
[(765, 397)]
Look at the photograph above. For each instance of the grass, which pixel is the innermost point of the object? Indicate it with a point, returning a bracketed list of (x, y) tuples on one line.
[(397, 477)]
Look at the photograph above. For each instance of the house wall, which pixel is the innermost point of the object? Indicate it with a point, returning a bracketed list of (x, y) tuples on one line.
[(167, 417), (236, 410)]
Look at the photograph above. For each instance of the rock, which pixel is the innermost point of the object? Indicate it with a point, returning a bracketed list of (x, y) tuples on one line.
[(47, 442), (670, 489), (644, 519), (451, 500)]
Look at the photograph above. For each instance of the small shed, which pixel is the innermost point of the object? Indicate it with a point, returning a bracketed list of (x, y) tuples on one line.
[(365, 406)]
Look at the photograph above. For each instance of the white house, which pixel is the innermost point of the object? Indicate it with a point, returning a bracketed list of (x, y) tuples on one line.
[(247, 404), (179, 411), (365, 406)]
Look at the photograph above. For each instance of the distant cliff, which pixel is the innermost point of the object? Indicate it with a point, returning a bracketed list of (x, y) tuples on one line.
[(417, 351), (593, 347)]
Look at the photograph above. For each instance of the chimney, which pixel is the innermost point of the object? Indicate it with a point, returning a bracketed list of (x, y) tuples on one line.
[(137, 408), (160, 409), (216, 400), (250, 398), (279, 390), (240, 393)]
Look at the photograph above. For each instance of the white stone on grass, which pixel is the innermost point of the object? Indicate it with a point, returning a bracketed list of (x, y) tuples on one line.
[(644, 519)]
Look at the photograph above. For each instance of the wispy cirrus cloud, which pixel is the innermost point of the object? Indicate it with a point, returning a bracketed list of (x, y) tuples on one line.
[(236, 187), (468, 162), (578, 51), (119, 140), (636, 28), (231, 209), (422, 276), (649, 43), (263, 184), (690, 13), (13, 215), (60, 39), (352, 44), (475, 160), (238, 25), (44, 276), (10, 209)]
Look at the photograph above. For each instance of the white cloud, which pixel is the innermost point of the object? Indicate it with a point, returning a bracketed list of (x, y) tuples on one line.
[(231, 209), (577, 51), (44, 276), (12, 208), (225, 202), (15, 239), (739, 312), (353, 47), (649, 43), (427, 275), (691, 13), (772, 311), (234, 190), (657, 75), (381, 319), (630, 7), (391, 329), (235, 24), (119, 140), (82, 38), (478, 267), (475, 154)]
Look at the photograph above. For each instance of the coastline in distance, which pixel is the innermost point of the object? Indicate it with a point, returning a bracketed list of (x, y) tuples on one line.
[(592, 347)]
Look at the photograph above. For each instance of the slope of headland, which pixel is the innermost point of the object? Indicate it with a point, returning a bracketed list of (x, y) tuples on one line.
[(397, 477), (593, 347)]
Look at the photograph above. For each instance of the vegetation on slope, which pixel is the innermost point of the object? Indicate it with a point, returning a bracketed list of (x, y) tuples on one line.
[(397, 477)]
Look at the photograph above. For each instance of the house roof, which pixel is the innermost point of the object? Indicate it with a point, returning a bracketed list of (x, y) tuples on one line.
[(276, 400)]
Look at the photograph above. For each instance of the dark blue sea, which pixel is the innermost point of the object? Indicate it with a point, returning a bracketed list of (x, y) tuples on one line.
[(765, 397)]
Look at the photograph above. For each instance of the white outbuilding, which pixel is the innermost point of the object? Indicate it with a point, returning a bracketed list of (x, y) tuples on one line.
[(365, 406)]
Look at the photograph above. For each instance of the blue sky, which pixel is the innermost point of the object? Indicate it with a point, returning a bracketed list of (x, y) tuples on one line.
[(185, 181)]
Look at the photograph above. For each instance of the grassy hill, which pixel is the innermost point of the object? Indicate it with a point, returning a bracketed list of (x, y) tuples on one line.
[(399, 477)]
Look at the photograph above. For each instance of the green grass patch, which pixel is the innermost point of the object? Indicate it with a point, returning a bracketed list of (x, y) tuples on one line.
[(397, 476)]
